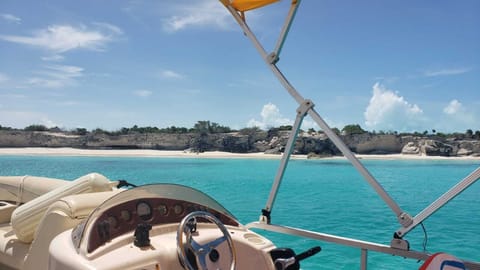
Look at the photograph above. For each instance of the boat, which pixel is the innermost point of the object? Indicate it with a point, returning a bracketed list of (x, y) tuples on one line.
[(94, 222)]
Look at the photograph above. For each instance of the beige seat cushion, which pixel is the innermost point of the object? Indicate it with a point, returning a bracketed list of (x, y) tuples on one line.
[(62, 215), (6, 209), (26, 217)]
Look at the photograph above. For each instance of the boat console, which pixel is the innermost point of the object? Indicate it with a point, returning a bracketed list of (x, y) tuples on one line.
[(162, 226), (91, 223)]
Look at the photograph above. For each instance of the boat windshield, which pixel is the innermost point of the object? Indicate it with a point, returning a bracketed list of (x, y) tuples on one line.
[(154, 204)]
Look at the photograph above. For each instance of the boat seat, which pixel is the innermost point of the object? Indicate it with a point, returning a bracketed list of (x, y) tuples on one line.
[(6, 209), (21, 189), (26, 217), (12, 251), (62, 215)]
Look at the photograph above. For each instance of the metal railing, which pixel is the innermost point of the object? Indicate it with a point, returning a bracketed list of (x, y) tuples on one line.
[(363, 246)]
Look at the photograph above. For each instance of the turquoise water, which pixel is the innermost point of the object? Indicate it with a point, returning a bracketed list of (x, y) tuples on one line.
[(323, 195)]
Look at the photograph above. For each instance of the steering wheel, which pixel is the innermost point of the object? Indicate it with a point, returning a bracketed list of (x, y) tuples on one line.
[(201, 251)]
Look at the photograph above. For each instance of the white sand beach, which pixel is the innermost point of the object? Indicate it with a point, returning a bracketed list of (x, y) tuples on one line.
[(39, 151)]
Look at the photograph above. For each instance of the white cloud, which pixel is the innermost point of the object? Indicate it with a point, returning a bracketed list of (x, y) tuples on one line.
[(142, 93), (446, 72), (47, 122), (53, 58), (453, 107), (63, 38), (205, 13), (110, 28), (3, 77), (271, 117), (170, 74), (11, 18), (457, 118), (56, 76), (389, 111), (21, 119)]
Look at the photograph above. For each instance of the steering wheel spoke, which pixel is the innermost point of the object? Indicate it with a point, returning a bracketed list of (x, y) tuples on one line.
[(201, 251)]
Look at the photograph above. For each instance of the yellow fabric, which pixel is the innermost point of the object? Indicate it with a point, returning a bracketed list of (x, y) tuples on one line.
[(245, 5)]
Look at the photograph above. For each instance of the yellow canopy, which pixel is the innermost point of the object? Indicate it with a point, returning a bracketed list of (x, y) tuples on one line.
[(245, 5)]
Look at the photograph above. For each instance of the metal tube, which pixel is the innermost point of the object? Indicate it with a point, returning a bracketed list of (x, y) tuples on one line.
[(286, 28), (350, 242), (301, 112), (363, 259), (441, 201)]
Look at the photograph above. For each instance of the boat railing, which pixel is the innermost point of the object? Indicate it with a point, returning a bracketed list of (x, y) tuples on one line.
[(363, 246)]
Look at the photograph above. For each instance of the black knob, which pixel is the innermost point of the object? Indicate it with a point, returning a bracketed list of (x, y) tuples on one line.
[(214, 255), (142, 235)]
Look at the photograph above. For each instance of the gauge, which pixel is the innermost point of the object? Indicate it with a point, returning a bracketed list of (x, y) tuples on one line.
[(113, 222), (162, 209), (125, 215), (178, 209), (144, 210)]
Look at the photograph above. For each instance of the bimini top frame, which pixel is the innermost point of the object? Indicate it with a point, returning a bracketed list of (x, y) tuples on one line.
[(407, 222)]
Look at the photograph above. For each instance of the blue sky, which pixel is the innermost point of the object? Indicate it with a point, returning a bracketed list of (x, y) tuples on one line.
[(386, 65)]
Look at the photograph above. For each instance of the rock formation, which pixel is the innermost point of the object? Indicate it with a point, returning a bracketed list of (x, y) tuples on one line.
[(273, 141)]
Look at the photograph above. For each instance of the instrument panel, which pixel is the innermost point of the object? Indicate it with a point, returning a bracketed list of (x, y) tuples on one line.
[(124, 218)]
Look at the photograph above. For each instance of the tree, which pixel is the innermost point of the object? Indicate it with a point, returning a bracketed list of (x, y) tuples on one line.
[(469, 133), (202, 127), (80, 131), (285, 127), (336, 130), (36, 128), (352, 129)]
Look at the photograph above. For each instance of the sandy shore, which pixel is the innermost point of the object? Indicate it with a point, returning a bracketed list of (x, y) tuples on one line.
[(34, 151)]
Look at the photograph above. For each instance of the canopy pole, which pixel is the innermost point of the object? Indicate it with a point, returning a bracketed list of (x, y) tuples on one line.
[(274, 56), (440, 202), (403, 218), (301, 112)]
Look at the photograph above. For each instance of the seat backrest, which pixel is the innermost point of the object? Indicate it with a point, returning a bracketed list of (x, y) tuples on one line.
[(21, 189), (26, 217), (6, 209), (62, 215)]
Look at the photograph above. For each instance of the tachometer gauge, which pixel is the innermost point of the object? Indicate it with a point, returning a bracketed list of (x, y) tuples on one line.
[(113, 222), (177, 209), (144, 210), (125, 215), (162, 209)]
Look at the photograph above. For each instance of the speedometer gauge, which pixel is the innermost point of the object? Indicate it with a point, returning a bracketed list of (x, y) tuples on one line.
[(144, 210)]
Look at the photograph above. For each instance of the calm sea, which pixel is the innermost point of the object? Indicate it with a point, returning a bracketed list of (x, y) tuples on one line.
[(323, 195)]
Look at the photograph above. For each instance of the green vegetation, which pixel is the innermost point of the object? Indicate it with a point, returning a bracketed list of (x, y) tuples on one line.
[(5, 128), (207, 127), (352, 129), (36, 128)]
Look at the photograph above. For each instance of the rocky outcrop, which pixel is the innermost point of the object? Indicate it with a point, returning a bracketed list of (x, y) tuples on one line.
[(367, 143), (411, 149), (436, 148), (273, 142)]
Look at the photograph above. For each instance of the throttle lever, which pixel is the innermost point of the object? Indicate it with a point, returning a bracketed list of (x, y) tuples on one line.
[(308, 253), (284, 263)]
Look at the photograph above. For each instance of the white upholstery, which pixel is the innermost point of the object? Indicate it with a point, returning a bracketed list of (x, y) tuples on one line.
[(12, 251), (62, 215), (21, 189), (6, 209), (26, 217)]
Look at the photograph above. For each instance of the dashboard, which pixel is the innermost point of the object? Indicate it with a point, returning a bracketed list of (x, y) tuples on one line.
[(124, 218)]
